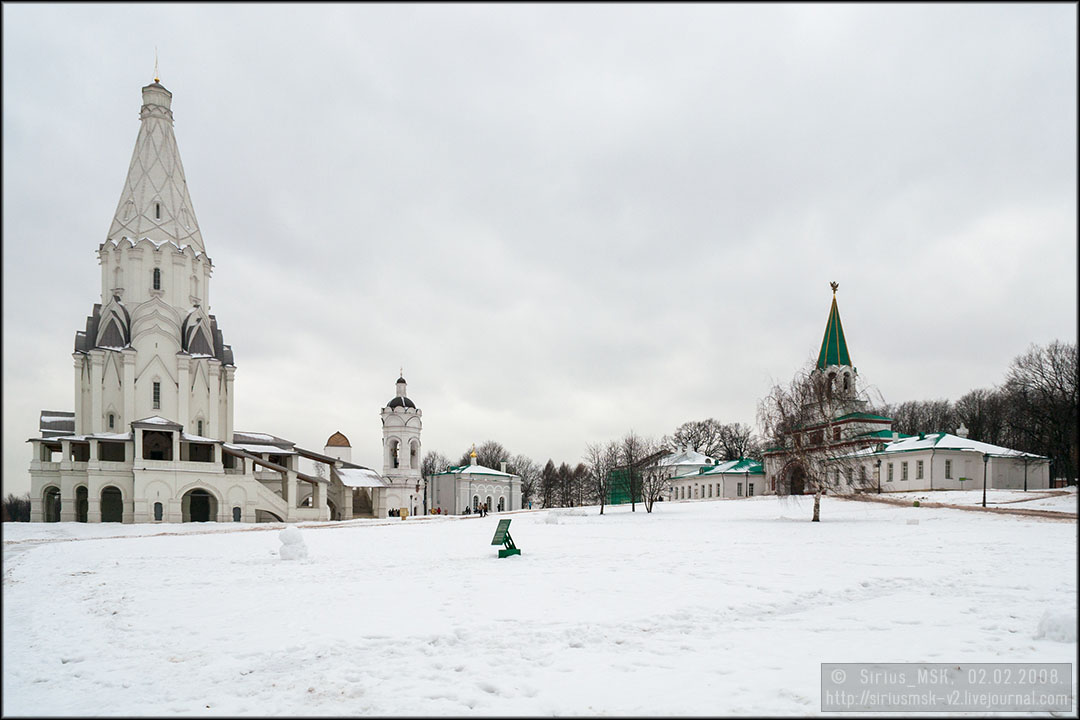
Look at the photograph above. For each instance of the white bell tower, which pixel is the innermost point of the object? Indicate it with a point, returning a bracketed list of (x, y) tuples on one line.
[(401, 421)]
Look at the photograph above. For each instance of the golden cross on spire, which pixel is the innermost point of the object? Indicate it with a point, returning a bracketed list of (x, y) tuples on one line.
[(156, 78), (834, 286)]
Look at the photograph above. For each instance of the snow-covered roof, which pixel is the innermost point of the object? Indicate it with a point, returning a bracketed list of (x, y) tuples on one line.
[(197, 438), (256, 438), (156, 420), (943, 441), (359, 477), (258, 449), (87, 438), (686, 456), (473, 470), (741, 466)]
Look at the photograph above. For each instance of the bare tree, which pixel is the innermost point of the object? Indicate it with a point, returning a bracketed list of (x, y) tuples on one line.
[(1041, 386), (985, 415), (704, 436), (17, 508), (633, 452), (529, 471), (800, 419), (654, 476), (434, 462), (549, 480), (489, 454), (736, 442), (601, 461)]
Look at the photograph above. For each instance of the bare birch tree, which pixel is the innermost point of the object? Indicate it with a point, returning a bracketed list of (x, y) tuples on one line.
[(800, 418)]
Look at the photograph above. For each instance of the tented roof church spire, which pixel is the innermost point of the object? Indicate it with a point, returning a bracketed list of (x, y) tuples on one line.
[(834, 350), (155, 203)]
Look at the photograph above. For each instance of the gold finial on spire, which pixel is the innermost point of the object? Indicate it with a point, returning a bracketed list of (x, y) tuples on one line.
[(834, 286), (156, 78), (473, 453)]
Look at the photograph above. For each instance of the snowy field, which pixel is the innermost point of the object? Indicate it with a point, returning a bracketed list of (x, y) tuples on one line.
[(708, 608), (1058, 500)]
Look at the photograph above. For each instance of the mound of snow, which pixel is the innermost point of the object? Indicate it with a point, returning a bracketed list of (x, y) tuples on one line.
[(1057, 626), (292, 544)]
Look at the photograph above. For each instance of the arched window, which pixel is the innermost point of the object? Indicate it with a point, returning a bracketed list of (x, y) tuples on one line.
[(157, 278), (394, 447), (159, 510), (157, 211), (502, 504), (475, 502), (414, 455), (112, 421), (157, 395), (236, 514), (199, 431), (847, 381)]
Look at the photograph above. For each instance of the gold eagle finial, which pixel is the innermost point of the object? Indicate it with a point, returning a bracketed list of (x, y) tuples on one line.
[(834, 286)]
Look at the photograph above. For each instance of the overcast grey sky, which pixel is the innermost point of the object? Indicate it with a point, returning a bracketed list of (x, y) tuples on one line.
[(564, 221)]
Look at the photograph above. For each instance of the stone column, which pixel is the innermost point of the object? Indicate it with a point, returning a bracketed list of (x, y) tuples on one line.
[(93, 501), (175, 445), (78, 365), (183, 366), (93, 423), (67, 484), (129, 387), (213, 415), (230, 373), (288, 490)]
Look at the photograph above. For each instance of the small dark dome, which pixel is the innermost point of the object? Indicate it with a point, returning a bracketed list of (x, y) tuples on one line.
[(401, 379), (401, 401)]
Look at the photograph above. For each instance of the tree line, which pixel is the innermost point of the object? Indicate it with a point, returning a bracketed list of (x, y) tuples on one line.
[(1033, 410), (630, 463)]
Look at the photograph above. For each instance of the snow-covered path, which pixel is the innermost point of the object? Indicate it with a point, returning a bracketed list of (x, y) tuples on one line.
[(723, 607)]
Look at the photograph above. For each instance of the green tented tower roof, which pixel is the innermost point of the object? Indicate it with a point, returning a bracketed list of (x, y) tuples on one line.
[(833, 346)]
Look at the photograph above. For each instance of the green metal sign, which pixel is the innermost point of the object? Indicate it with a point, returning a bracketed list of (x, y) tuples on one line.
[(502, 537)]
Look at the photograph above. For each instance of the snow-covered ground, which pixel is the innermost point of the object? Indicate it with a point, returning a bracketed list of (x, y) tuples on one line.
[(712, 608), (1059, 500)]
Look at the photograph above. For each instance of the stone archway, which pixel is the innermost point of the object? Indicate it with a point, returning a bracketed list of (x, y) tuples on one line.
[(112, 505), (198, 505), (797, 480), (50, 500), (82, 504)]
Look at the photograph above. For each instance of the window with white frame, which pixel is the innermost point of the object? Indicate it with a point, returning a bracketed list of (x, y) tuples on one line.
[(890, 472), (918, 469), (157, 395), (750, 490), (849, 473), (738, 489), (903, 471)]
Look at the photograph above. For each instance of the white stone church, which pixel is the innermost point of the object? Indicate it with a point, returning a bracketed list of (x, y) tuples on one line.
[(151, 438)]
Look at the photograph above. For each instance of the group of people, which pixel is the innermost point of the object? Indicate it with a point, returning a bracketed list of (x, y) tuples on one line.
[(482, 509)]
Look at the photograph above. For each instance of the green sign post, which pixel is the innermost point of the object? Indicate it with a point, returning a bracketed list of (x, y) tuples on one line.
[(502, 537)]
